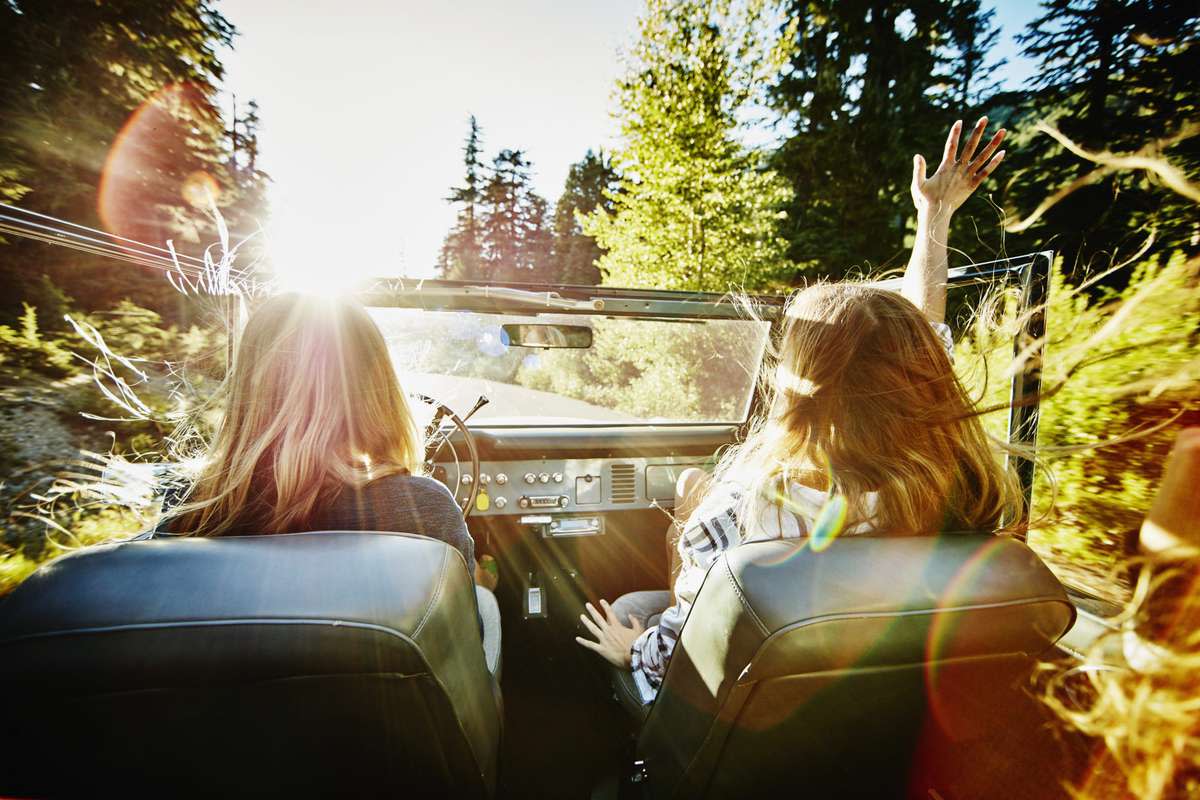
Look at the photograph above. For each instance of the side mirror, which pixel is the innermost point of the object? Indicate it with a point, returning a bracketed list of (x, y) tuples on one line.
[(546, 336)]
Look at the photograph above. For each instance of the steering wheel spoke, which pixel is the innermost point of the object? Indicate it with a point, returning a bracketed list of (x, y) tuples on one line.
[(438, 438)]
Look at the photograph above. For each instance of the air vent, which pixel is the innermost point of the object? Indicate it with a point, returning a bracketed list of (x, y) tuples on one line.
[(624, 483)]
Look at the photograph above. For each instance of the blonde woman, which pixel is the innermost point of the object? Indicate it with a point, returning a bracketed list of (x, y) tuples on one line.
[(317, 435), (865, 406)]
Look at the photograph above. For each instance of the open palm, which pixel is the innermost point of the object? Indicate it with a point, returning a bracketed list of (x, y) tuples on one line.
[(959, 174)]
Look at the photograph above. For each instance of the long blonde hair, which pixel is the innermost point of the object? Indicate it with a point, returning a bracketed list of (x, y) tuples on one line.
[(863, 399), (313, 406), (1138, 688)]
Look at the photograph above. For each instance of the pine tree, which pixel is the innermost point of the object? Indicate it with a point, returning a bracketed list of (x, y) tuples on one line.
[(864, 88), (516, 236), (972, 35), (461, 256), (1113, 76), (697, 209), (590, 184), (75, 72)]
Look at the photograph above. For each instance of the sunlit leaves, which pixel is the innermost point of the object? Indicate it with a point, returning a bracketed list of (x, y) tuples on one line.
[(697, 209)]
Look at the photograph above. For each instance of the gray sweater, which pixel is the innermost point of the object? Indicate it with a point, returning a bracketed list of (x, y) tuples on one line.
[(393, 504), (400, 504)]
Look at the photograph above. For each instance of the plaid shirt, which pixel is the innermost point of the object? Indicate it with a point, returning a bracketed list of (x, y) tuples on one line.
[(713, 528)]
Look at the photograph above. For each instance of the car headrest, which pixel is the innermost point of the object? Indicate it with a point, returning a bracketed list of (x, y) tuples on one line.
[(351, 578), (835, 604)]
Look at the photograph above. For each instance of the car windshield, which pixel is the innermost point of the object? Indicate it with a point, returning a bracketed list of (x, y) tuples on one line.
[(635, 371)]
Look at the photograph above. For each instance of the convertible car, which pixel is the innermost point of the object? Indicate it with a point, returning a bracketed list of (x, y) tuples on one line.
[(349, 664)]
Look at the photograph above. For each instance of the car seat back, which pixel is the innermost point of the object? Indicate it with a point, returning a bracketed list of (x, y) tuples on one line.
[(330, 663)]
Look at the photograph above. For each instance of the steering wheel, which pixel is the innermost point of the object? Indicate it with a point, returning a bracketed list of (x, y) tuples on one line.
[(438, 438)]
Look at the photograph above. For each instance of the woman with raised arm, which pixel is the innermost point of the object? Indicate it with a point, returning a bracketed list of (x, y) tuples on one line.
[(865, 417), (317, 435)]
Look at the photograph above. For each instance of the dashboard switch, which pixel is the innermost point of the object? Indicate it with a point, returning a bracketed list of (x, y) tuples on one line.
[(556, 477), (530, 477), (500, 502), (501, 478), (544, 477)]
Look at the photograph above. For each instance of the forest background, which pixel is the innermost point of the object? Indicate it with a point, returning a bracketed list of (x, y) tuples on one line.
[(686, 200)]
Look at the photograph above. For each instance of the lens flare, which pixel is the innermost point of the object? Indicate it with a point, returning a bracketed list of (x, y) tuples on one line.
[(941, 639), (144, 171), (201, 190)]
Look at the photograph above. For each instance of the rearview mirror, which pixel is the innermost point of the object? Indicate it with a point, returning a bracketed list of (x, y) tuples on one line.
[(545, 336)]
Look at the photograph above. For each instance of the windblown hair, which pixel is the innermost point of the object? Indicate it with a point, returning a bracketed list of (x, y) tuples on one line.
[(864, 399), (1145, 703), (313, 407)]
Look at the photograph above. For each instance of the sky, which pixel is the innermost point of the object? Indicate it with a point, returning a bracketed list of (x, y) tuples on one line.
[(364, 106)]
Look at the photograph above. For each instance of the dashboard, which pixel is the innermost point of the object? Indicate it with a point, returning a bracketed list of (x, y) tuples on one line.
[(550, 486)]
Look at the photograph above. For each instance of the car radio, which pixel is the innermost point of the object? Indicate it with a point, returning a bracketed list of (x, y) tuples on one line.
[(543, 501)]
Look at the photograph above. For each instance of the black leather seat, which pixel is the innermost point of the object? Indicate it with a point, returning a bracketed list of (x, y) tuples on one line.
[(318, 664), (872, 669)]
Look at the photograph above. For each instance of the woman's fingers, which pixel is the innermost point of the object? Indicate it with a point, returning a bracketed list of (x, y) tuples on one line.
[(590, 645), (981, 176), (593, 628), (949, 155), (982, 158), (919, 172), (608, 613), (596, 615), (976, 136)]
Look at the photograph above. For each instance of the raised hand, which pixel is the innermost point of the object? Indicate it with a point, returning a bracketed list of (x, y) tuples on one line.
[(959, 174)]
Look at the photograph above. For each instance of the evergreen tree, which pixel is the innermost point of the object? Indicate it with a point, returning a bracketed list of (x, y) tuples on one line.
[(1113, 76), (76, 75), (697, 209), (516, 235), (590, 185), (461, 256), (972, 35), (864, 88)]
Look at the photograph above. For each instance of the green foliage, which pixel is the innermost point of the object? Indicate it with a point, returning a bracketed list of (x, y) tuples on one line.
[(52, 497), (696, 209), (866, 86), (589, 186), (1115, 76), (25, 348), (75, 72), (657, 370), (1115, 364)]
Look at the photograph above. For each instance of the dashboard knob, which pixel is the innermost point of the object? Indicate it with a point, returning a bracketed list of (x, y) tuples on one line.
[(523, 502), (530, 477), (563, 500), (484, 478), (501, 478), (557, 477), (544, 477), (466, 480), (500, 502)]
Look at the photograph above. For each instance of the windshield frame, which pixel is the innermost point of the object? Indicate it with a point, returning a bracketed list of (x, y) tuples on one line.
[(1029, 272)]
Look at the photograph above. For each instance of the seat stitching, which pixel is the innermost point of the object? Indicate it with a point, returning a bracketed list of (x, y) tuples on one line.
[(433, 600), (742, 598), (917, 612)]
